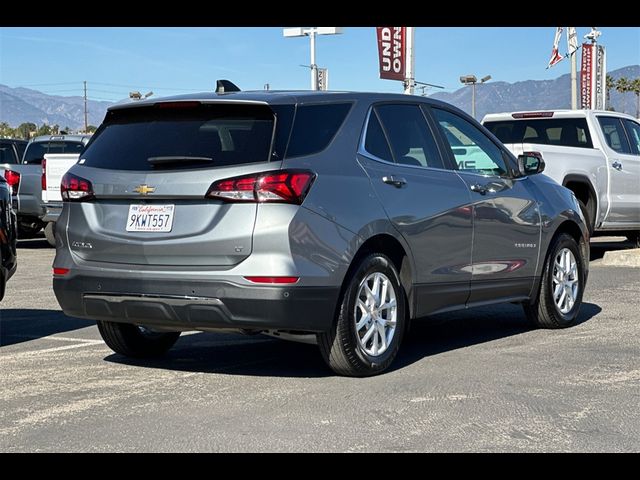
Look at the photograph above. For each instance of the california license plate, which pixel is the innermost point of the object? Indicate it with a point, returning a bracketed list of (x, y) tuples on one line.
[(150, 218)]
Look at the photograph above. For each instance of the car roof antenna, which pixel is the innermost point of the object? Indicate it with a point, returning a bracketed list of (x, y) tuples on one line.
[(225, 86)]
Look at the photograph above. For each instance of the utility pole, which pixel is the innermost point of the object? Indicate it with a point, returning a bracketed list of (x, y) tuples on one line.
[(86, 123), (410, 77)]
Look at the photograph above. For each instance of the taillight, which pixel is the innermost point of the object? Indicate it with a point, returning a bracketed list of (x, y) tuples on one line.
[(281, 186), (44, 174), (75, 189), (13, 180), (60, 271)]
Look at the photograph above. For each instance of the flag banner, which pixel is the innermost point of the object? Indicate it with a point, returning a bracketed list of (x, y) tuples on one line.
[(572, 40), (555, 56), (601, 78), (392, 42), (586, 76)]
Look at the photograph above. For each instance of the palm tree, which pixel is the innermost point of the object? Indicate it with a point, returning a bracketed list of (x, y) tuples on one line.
[(623, 85), (634, 86), (610, 83)]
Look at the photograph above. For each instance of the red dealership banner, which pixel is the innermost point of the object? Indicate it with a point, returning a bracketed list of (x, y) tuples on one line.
[(587, 76), (392, 43)]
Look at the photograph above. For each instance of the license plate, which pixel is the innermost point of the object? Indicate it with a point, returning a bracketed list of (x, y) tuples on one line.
[(150, 218)]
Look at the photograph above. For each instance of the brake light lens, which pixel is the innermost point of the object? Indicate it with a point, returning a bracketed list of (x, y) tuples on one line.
[(44, 174), (532, 115), (281, 186), (75, 189), (13, 180), (276, 280), (60, 271)]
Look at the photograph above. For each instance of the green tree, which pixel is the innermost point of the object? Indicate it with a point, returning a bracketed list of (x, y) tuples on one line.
[(91, 129), (623, 86), (25, 130), (6, 130), (634, 86), (44, 130)]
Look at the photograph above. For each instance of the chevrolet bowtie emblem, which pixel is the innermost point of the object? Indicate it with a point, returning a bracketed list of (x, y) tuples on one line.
[(144, 189)]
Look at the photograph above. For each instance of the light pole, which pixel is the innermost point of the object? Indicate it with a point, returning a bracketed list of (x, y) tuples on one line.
[(311, 33), (472, 80)]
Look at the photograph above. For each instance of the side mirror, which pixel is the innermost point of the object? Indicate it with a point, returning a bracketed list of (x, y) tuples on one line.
[(530, 163)]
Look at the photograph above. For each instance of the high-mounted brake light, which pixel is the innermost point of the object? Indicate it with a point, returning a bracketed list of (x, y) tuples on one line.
[(75, 189), (280, 186), (13, 180), (532, 115)]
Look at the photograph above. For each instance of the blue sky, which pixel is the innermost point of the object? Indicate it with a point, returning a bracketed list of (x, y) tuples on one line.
[(115, 61)]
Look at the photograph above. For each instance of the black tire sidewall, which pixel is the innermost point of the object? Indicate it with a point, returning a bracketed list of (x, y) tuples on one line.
[(371, 264), (562, 319)]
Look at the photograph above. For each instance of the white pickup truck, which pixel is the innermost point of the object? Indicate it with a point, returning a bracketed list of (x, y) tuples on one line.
[(596, 154), (54, 166)]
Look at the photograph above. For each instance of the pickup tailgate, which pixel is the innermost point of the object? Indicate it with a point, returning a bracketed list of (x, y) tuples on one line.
[(54, 166)]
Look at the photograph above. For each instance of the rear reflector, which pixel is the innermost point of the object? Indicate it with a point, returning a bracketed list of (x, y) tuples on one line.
[(532, 115), (273, 279), (280, 186), (13, 180), (60, 271), (75, 189)]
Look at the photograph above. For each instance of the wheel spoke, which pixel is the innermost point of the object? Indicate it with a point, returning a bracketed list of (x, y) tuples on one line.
[(383, 336), (363, 321), (388, 305), (367, 336)]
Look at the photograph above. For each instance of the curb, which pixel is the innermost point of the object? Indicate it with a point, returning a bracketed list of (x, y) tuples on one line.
[(622, 258)]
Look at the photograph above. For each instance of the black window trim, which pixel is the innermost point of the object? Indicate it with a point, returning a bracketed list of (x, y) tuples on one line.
[(632, 145), (363, 137), (507, 156)]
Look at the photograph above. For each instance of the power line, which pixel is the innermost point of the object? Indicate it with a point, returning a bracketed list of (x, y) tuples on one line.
[(148, 87), (49, 84)]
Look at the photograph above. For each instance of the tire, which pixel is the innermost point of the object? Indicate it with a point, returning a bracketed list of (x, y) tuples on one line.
[(49, 233), (634, 238), (589, 215), (546, 312), (134, 341), (341, 347)]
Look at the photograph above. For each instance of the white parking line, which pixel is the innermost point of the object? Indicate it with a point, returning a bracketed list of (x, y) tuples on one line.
[(60, 339), (32, 353)]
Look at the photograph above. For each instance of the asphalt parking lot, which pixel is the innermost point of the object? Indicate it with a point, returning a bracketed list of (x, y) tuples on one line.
[(479, 380)]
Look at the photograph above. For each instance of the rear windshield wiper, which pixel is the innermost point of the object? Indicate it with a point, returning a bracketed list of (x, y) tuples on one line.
[(169, 160)]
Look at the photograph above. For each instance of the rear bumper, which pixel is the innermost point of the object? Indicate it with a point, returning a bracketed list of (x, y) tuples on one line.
[(197, 305), (52, 212), (27, 205)]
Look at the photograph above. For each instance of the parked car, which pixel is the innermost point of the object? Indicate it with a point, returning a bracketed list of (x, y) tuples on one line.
[(25, 179), (8, 257), (342, 215), (595, 154)]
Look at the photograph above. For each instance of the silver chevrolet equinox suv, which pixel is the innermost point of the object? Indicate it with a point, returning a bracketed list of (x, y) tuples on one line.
[(333, 214)]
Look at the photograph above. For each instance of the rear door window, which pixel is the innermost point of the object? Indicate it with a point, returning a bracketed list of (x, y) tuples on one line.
[(179, 136), (633, 132), (411, 140), (375, 142), (315, 126), (614, 134)]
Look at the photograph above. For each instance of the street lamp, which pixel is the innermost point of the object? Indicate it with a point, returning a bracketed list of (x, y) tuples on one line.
[(472, 80), (311, 33)]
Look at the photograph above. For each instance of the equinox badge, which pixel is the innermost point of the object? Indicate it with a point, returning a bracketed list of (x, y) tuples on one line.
[(144, 189)]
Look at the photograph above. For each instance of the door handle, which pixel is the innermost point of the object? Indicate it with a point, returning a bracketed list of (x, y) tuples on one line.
[(397, 182), (481, 189), (617, 165)]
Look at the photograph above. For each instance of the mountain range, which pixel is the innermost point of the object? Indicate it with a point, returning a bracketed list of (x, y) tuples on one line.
[(18, 105), (493, 97)]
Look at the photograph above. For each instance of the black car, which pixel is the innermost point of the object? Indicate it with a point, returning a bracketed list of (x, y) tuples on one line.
[(8, 258)]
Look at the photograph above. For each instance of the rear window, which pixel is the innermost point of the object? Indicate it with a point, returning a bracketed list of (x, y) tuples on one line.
[(567, 132), (315, 126), (36, 150), (183, 137), (6, 153)]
